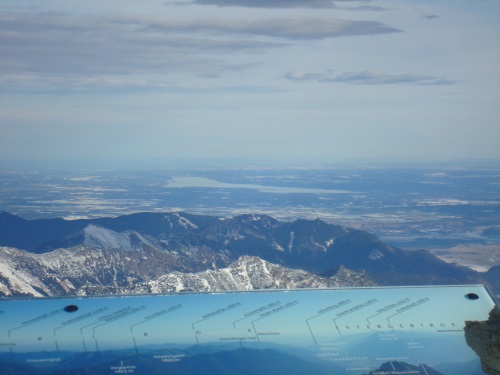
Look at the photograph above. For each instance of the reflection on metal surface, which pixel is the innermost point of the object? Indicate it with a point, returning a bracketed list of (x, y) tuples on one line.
[(403, 330)]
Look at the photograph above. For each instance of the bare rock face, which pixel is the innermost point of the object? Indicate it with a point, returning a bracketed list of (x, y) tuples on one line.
[(484, 339)]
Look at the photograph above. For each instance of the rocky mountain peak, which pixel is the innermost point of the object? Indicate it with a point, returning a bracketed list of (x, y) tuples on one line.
[(98, 251)]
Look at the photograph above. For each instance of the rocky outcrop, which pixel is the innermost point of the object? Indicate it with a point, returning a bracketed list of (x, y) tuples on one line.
[(484, 339)]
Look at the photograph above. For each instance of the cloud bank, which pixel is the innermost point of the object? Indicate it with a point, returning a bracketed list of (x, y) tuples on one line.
[(369, 77), (325, 4), (79, 49), (291, 27)]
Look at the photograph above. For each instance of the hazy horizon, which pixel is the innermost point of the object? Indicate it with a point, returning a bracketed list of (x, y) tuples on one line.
[(231, 163)]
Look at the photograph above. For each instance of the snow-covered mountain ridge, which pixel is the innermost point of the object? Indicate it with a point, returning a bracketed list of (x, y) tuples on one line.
[(151, 252), (81, 271)]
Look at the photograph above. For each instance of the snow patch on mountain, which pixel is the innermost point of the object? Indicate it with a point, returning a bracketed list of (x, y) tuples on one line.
[(290, 242), (96, 236), (376, 255), (99, 237), (278, 247), (15, 280), (185, 223)]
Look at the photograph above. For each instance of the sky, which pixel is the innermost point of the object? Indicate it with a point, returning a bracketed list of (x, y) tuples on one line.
[(249, 79)]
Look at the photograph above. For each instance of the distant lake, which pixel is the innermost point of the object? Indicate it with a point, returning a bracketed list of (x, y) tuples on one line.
[(189, 182)]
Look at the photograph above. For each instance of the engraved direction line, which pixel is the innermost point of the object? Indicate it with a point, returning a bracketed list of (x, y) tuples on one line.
[(156, 315), (217, 312), (80, 318), (135, 346), (324, 311), (108, 317), (36, 320), (388, 307), (352, 310), (272, 312), (409, 307), (259, 310), (121, 316)]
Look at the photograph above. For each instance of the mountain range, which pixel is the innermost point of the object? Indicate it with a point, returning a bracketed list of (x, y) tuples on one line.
[(163, 252), (396, 367)]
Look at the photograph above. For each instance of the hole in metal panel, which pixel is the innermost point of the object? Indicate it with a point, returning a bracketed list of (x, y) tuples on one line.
[(71, 308), (472, 296)]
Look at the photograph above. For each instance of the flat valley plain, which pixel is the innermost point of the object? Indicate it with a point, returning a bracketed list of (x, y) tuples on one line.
[(452, 210)]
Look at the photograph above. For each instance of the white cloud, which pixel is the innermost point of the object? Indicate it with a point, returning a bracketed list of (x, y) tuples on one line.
[(125, 44), (378, 77), (61, 44), (299, 75), (368, 77), (315, 4), (289, 27)]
